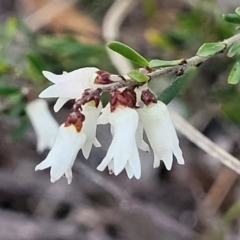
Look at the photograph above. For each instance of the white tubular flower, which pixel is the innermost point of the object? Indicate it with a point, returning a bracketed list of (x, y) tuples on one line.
[(91, 113), (123, 152), (142, 145), (63, 153), (103, 118), (161, 134), (68, 85), (45, 126)]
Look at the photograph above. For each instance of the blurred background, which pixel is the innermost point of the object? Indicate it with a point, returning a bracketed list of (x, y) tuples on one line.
[(200, 200)]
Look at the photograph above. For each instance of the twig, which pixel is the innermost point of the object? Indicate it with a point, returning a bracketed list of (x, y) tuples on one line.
[(217, 193), (204, 143), (190, 62)]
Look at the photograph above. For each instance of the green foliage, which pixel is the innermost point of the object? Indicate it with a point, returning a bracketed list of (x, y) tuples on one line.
[(35, 65), (7, 34), (178, 83), (210, 49), (5, 91), (234, 49), (229, 98), (138, 76), (156, 63), (128, 53), (234, 75), (191, 28), (5, 67), (237, 11), (72, 54), (232, 18)]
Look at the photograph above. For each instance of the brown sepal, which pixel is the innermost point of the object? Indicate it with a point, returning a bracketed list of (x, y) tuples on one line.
[(76, 119), (126, 98), (148, 97)]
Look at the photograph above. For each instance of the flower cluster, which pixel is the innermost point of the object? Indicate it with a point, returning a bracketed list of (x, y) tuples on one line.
[(130, 112)]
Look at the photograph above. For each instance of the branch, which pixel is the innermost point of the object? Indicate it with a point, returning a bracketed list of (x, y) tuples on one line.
[(190, 62), (192, 133), (204, 143)]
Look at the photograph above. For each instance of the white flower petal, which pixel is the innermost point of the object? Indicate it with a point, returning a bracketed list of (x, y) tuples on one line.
[(43, 165), (69, 85), (139, 139), (105, 162), (110, 167), (129, 171), (96, 143), (91, 114), (103, 118), (120, 160), (176, 149), (123, 149), (49, 92), (82, 74), (63, 153), (68, 175), (161, 134), (51, 76), (59, 103), (135, 164), (45, 126)]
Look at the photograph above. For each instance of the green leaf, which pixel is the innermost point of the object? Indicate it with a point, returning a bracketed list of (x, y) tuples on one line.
[(155, 63), (237, 11), (8, 90), (232, 18), (234, 49), (234, 75), (128, 53), (169, 93), (210, 49), (138, 76)]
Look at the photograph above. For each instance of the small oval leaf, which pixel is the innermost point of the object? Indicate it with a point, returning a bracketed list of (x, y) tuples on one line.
[(234, 49), (128, 53), (234, 75), (210, 49), (179, 82), (138, 76), (237, 11), (155, 63), (232, 18)]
